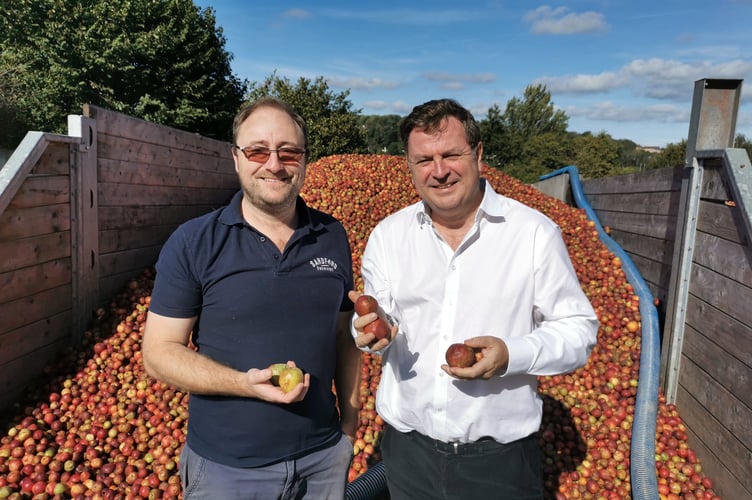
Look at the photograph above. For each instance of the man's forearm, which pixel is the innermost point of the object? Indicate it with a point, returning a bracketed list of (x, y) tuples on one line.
[(182, 367)]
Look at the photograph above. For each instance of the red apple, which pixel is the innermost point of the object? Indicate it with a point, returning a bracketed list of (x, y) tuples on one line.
[(365, 304), (378, 327), (460, 356)]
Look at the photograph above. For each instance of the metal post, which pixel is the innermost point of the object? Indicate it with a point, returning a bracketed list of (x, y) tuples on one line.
[(712, 126)]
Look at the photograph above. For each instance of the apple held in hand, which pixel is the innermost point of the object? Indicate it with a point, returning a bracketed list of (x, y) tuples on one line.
[(378, 327), (365, 304), (290, 377), (460, 356), (276, 369)]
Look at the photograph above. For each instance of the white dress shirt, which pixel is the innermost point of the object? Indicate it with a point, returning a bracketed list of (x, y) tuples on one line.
[(511, 277)]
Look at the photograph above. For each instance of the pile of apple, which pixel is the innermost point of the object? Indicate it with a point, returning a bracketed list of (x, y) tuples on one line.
[(99, 427)]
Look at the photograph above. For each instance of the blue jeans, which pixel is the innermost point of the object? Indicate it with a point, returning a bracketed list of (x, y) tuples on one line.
[(319, 475)]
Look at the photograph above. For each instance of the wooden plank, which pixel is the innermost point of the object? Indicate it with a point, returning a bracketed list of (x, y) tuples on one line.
[(724, 368), (713, 182), (723, 221), (722, 293), (124, 217), (28, 338), (160, 175), (133, 154), (723, 329), (30, 309), (725, 407), (656, 249), (27, 281), (127, 239), (55, 160), (656, 226), (35, 221), (128, 262), (15, 254), (651, 271), (37, 191), (662, 179), (713, 445), (128, 127), (16, 376), (130, 194), (725, 257), (656, 203)]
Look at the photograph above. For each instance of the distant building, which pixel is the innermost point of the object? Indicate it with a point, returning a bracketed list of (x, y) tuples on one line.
[(650, 149)]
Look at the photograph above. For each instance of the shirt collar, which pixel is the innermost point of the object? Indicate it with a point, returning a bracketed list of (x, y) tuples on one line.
[(232, 214), (491, 206)]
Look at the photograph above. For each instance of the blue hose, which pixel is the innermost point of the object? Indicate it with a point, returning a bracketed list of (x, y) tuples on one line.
[(368, 485), (642, 454)]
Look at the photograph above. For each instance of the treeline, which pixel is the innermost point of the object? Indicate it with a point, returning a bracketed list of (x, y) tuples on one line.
[(166, 62)]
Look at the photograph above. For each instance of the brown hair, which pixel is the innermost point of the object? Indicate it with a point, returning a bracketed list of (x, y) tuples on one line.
[(430, 115), (270, 102)]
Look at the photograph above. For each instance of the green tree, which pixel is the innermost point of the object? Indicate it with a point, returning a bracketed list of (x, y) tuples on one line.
[(161, 60), (534, 114), (332, 123), (632, 158), (672, 155), (595, 155), (382, 133), (529, 138), (743, 143)]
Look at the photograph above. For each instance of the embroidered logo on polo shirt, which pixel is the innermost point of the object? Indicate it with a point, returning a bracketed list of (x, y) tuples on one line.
[(323, 264)]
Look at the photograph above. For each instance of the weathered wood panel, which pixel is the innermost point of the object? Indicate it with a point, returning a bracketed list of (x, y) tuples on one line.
[(29, 338), (655, 226), (15, 254), (27, 222), (17, 374), (39, 191), (722, 456), (731, 421), (728, 332), (27, 281), (33, 308), (111, 217)]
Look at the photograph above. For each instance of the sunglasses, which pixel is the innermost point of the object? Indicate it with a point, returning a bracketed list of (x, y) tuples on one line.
[(286, 156)]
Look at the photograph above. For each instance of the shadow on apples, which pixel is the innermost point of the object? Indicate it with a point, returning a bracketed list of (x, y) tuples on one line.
[(562, 448)]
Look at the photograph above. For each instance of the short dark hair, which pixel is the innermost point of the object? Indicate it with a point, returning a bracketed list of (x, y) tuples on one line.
[(430, 115), (268, 102)]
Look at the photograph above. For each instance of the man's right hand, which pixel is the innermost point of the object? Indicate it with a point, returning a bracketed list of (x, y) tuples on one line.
[(262, 387), (369, 340)]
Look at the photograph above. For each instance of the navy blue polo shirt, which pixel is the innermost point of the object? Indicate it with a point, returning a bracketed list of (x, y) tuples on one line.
[(257, 306)]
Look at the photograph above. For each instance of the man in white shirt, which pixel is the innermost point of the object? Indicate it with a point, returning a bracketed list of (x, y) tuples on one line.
[(466, 264)]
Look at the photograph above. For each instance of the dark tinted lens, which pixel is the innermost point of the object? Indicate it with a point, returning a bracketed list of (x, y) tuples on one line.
[(259, 155), (290, 155)]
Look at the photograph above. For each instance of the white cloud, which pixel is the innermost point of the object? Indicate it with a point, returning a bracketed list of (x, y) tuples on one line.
[(471, 78), (359, 83), (417, 17), (609, 111), (297, 14), (583, 84), (546, 20)]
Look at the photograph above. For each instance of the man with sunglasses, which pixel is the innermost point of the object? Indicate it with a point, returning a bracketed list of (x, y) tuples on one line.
[(467, 265), (263, 280)]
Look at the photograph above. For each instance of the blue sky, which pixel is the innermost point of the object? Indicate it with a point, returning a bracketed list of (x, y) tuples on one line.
[(624, 67)]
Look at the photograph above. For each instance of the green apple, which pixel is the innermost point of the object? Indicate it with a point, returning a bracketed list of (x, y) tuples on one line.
[(290, 377), (276, 369)]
